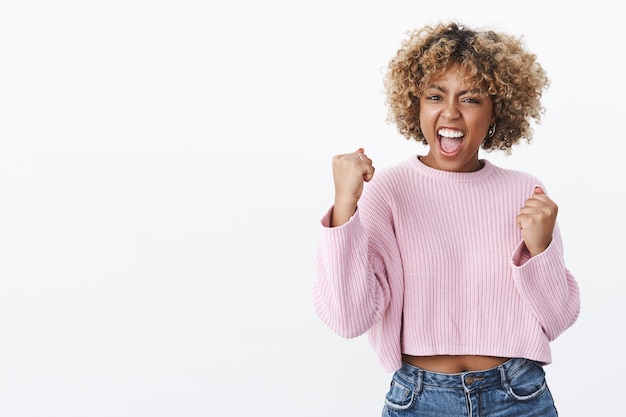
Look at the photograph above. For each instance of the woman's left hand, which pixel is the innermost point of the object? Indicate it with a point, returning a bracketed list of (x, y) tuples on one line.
[(536, 220)]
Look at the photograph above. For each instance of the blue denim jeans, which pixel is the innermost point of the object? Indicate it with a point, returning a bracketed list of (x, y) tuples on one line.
[(517, 388)]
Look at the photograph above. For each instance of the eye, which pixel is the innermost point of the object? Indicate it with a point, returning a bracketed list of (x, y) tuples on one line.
[(433, 97), (470, 100)]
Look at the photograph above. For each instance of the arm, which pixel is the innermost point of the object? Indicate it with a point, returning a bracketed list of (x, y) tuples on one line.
[(359, 271), (350, 292), (547, 286)]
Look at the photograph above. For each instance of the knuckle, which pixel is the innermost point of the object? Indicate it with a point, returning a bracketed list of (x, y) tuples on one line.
[(555, 208)]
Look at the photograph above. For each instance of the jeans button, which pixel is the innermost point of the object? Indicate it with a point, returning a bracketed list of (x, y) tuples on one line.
[(469, 380)]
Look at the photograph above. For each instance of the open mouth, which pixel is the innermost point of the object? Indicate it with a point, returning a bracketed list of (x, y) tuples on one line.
[(450, 140)]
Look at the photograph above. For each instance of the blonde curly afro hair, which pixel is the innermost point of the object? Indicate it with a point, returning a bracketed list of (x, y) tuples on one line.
[(496, 62)]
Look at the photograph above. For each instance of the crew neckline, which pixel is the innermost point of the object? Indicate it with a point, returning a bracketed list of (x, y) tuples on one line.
[(451, 176)]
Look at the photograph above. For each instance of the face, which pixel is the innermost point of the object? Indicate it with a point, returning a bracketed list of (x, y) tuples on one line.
[(454, 119)]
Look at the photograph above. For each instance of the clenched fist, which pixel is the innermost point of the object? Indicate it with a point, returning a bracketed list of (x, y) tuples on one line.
[(536, 220), (350, 170)]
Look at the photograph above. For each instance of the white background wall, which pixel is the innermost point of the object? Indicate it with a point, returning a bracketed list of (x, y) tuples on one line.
[(163, 169)]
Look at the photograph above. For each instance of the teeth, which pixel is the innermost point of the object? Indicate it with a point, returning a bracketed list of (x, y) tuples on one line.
[(449, 133)]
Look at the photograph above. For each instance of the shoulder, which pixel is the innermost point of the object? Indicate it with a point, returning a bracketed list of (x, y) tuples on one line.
[(514, 176), (402, 171), (393, 176), (515, 183)]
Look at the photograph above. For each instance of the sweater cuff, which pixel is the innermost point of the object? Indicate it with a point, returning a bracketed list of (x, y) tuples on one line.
[(326, 219), (521, 256)]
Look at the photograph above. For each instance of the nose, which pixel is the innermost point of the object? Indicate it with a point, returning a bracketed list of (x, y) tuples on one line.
[(450, 110)]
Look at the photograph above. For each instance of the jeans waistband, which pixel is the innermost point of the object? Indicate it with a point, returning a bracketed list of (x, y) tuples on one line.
[(468, 381)]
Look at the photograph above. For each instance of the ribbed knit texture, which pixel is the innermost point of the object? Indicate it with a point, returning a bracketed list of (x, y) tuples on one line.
[(433, 263)]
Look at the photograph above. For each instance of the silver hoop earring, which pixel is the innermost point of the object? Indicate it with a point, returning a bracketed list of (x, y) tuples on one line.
[(491, 131)]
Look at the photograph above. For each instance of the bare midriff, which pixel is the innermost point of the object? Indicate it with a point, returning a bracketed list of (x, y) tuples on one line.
[(448, 364)]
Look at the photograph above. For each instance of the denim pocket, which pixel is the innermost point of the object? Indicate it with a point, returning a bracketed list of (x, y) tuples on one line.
[(401, 395), (529, 384)]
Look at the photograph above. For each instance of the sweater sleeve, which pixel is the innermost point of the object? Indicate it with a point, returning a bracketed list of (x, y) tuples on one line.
[(350, 292), (547, 286)]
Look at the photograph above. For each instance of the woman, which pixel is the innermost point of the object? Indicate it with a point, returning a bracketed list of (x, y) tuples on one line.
[(453, 266)]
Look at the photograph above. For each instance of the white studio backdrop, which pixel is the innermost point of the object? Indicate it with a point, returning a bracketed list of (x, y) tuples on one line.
[(163, 169)]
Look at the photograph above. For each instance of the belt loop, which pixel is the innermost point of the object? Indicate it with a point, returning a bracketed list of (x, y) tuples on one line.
[(503, 377), (419, 384)]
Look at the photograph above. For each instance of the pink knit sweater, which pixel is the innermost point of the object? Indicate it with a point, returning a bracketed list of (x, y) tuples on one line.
[(433, 263)]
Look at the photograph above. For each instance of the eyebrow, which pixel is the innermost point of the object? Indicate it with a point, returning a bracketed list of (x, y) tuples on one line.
[(440, 88)]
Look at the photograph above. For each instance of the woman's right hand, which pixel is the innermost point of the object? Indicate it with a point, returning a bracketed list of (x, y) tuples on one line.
[(350, 170)]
